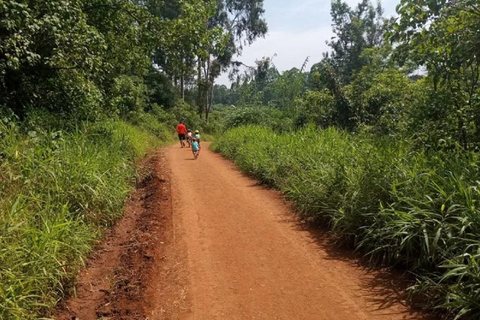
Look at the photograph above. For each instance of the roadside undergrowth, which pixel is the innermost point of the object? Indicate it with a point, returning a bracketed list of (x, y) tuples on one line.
[(59, 190), (401, 206)]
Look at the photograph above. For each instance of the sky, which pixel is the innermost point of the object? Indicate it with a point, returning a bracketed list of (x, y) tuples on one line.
[(297, 29)]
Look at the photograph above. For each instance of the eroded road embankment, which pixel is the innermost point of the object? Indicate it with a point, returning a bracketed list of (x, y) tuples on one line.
[(215, 245)]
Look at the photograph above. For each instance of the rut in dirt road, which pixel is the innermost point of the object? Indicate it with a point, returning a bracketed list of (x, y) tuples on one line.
[(249, 257)]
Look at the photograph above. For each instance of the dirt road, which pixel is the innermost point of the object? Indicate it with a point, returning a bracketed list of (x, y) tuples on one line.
[(199, 240), (249, 258)]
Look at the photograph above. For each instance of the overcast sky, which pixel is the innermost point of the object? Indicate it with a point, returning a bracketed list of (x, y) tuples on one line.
[(297, 29)]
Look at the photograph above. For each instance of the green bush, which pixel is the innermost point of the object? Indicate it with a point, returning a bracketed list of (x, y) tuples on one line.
[(188, 114), (58, 191), (128, 95), (150, 123), (399, 206), (257, 115)]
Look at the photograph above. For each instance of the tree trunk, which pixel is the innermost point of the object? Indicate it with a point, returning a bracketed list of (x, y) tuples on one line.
[(207, 89), (199, 88), (182, 86), (210, 101)]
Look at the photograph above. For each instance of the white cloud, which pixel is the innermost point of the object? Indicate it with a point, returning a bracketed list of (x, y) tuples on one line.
[(308, 6), (298, 28), (291, 49)]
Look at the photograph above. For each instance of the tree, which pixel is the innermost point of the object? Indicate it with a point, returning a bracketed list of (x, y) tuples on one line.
[(64, 56), (221, 95), (186, 38), (243, 21), (287, 87), (355, 30), (45, 49), (443, 36)]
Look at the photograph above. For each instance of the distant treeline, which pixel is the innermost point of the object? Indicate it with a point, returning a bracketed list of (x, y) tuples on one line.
[(414, 75)]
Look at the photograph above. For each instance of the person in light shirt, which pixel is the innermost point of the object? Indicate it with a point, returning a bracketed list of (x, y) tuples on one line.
[(189, 137)]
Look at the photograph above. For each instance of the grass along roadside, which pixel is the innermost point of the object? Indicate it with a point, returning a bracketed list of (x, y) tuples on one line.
[(58, 192), (400, 206)]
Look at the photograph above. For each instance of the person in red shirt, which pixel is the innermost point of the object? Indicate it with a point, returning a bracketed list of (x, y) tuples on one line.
[(182, 131)]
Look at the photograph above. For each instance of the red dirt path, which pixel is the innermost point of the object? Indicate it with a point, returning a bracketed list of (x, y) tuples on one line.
[(206, 242)]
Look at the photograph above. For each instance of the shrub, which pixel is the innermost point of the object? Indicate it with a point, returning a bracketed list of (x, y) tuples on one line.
[(59, 191), (128, 95), (256, 115)]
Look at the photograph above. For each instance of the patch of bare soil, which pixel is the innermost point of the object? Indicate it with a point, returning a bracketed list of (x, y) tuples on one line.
[(133, 266)]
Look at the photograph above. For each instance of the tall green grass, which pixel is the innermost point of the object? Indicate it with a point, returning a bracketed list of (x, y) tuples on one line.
[(400, 206), (58, 191)]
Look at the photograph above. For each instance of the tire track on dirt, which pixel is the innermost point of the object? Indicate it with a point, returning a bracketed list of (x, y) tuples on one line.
[(136, 265)]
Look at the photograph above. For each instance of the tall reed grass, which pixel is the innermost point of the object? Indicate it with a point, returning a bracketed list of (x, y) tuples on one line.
[(400, 206), (58, 191)]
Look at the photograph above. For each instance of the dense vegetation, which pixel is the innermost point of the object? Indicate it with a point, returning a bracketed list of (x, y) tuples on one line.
[(86, 89), (58, 191), (379, 140), (416, 75)]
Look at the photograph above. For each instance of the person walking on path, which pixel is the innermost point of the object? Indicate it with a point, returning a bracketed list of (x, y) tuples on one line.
[(182, 131), (189, 137), (195, 148), (197, 137)]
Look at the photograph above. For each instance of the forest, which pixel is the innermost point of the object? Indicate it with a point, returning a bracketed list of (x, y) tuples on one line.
[(378, 141)]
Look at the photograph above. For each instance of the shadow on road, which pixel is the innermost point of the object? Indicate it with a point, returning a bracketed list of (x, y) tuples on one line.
[(383, 287)]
